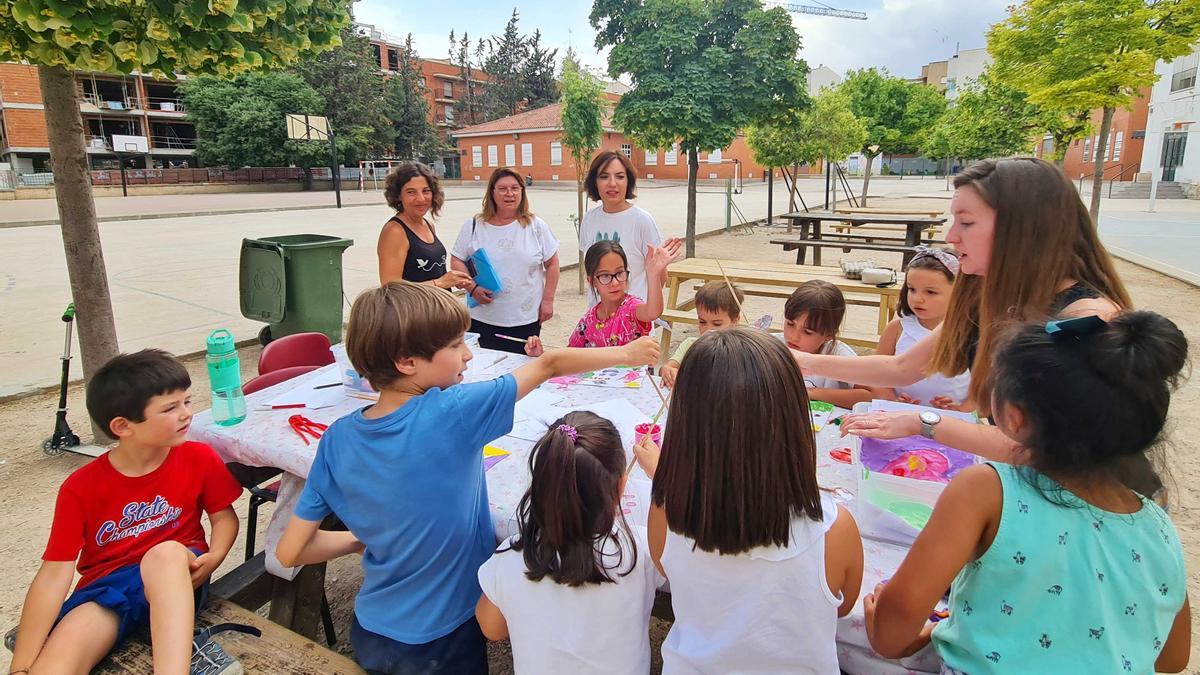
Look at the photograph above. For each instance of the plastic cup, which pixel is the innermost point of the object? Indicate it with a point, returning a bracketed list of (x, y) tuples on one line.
[(654, 430)]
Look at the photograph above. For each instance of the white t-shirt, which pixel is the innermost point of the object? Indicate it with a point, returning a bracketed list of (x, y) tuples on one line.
[(923, 391), (768, 610), (519, 255), (594, 628), (634, 229), (834, 348)]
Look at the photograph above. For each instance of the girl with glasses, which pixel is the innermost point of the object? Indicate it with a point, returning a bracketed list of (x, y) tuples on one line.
[(618, 318)]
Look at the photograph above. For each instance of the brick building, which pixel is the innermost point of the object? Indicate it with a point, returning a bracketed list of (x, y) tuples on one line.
[(130, 105), (531, 142), (1123, 156)]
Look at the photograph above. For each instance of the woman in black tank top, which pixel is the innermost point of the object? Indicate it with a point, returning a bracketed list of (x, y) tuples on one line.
[(408, 247)]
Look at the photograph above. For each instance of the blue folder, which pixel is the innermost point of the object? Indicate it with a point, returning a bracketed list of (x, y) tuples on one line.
[(480, 267)]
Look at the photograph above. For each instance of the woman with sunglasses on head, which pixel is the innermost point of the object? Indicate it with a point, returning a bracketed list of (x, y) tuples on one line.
[(524, 254)]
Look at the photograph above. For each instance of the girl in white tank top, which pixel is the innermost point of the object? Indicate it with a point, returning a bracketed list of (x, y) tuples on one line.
[(761, 563), (924, 298)]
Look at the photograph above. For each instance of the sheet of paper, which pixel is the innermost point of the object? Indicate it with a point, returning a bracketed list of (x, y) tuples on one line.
[(308, 397), (617, 377)]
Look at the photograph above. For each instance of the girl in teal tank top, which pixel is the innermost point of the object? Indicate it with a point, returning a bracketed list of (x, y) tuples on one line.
[(1054, 566)]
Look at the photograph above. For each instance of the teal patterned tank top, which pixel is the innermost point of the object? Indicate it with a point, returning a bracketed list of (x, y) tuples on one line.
[(1065, 587)]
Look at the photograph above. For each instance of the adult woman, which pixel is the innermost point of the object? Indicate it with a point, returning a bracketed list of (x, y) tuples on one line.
[(524, 253), (1028, 249), (612, 181), (408, 247)]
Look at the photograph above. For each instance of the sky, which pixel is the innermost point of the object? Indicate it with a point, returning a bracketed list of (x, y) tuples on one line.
[(901, 35)]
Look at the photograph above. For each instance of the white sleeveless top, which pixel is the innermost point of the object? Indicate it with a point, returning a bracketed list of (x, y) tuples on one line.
[(765, 611), (923, 391)]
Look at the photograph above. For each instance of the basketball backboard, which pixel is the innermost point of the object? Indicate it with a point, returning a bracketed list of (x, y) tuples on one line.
[(307, 127), (132, 145)]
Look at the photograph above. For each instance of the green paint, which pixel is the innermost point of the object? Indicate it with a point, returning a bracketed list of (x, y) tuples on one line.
[(915, 514)]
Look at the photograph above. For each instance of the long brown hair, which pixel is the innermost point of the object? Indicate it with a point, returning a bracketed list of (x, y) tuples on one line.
[(738, 459), (1043, 236), (524, 215), (565, 520)]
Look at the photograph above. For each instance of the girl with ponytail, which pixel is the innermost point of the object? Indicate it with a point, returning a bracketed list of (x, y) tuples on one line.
[(1054, 565), (575, 564)]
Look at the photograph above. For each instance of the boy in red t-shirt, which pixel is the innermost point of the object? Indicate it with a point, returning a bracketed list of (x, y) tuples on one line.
[(132, 519)]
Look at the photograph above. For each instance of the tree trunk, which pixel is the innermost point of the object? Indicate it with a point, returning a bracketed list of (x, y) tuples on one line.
[(579, 221), (1098, 173), (770, 195), (77, 215), (690, 232), (794, 189), (867, 178)]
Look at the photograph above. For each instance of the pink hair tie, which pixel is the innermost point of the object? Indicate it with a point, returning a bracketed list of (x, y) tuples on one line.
[(569, 431)]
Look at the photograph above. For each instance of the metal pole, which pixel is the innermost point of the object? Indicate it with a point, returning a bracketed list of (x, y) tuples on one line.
[(124, 187), (770, 195), (334, 173), (828, 178), (728, 203)]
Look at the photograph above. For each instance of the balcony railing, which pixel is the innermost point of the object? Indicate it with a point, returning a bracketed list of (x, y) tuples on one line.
[(166, 103), (172, 143), (116, 103)]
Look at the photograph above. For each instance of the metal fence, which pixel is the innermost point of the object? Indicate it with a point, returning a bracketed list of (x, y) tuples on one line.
[(10, 180)]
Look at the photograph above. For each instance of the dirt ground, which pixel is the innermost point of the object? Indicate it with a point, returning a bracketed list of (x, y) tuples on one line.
[(29, 479)]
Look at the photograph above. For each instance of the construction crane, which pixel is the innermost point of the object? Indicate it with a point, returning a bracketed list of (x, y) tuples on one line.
[(823, 10)]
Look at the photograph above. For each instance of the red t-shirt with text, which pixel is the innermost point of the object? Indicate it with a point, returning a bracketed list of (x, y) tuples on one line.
[(109, 520)]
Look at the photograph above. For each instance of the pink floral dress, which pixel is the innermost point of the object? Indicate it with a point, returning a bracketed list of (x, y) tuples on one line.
[(619, 329)]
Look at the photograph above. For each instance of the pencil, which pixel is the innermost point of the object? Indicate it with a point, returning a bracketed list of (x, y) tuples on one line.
[(510, 338)]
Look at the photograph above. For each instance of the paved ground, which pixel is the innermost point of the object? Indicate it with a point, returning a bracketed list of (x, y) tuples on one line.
[(1167, 240)]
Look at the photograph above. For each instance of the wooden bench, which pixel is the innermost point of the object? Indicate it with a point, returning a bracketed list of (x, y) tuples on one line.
[(885, 211), (674, 316), (783, 293), (279, 650), (799, 244), (931, 234)]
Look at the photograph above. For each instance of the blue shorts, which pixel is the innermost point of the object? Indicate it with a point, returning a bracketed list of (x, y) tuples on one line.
[(462, 652), (122, 592)]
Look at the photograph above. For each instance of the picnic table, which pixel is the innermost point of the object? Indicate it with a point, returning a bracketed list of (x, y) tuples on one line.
[(810, 222), (751, 274), (265, 439)]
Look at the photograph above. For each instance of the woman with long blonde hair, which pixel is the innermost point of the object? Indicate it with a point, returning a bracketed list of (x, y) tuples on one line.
[(1028, 250)]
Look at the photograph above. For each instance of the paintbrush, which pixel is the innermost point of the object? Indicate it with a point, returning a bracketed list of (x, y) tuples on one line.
[(732, 291), (655, 385)]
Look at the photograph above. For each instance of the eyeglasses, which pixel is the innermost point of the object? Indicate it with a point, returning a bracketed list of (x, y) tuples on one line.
[(606, 279), (508, 190)]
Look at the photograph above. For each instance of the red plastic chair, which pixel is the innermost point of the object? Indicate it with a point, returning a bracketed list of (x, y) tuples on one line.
[(275, 377), (301, 349)]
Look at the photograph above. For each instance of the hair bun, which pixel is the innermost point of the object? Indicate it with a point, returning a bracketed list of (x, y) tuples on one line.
[(1140, 346)]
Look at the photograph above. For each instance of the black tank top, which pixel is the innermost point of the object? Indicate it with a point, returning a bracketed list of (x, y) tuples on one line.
[(1063, 299), (425, 261)]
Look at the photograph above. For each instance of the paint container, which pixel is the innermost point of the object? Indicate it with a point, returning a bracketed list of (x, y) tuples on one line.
[(654, 430), (894, 508)]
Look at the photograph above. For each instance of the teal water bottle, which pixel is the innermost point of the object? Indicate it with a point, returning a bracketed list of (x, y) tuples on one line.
[(225, 377)]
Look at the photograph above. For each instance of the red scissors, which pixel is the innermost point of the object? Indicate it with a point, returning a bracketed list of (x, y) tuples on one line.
[(305, 427)]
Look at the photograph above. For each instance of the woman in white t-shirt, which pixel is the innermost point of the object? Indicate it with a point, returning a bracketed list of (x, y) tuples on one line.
[(524, 254), (612, 181), (573, 589)]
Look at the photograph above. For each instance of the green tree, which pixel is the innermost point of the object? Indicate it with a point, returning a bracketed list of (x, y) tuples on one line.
[(988, 119), (1072, 55), (504, 65), (161, 38), (351, 85), (827, 131), (413, 135), (898, 114), (702, 70), (541, 88), (240, 121), (582, 125), (470, 105)]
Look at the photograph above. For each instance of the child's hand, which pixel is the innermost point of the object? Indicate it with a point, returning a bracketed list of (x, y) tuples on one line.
[(647, 454), (533, 346), (944, 403), (674, 246), (657, 260), (668, 373), (202, 568), (641, 352), (905, 398)]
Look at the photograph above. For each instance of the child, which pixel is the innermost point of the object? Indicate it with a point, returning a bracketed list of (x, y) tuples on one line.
[(619, 318), (718, 305), (575, 564), (924, 298), (132, 519), (812, 316), (1056, 566), (406, 477), (761, 564)]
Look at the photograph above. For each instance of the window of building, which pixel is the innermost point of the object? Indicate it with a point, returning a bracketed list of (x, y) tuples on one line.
[(651, 157), (555, 153), (393, 59), (715, 157), (447, 90), (1183, 75), (492, 159), (1087, 149), (627, 150), (527, 154), (476, 156), (1096, 148), (1118, 141), (671, 155), (449, 113), (510, 155)]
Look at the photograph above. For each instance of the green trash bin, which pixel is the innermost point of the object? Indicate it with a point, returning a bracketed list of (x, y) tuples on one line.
[(294, 284)]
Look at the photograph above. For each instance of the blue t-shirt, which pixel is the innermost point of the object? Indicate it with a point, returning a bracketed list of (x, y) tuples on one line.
[(411, 487)]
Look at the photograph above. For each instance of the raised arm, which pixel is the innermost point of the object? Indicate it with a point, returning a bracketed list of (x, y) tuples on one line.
[(981, 439), (558, 362), (657, 260)]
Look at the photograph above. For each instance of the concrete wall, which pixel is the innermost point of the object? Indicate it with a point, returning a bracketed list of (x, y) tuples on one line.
[(963, 68), (1174, 112)]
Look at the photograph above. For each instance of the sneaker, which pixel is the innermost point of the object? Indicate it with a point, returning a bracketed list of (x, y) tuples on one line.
[(207, 656)]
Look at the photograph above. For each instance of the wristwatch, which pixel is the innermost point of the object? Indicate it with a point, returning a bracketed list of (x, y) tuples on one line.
[(929, 420)]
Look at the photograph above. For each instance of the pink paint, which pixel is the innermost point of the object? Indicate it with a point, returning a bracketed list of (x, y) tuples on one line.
[(921, 463), (654, 430)]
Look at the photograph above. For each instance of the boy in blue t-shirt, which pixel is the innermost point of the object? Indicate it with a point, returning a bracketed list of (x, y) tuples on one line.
[(406, 477)]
